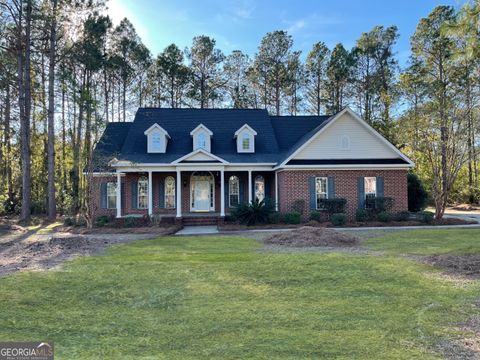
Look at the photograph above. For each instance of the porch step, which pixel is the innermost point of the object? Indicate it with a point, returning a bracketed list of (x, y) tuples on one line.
[(200, 220)]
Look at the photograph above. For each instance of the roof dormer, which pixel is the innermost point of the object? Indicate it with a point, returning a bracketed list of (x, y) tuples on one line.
[(157, 138), (245, 139), (201, 138)]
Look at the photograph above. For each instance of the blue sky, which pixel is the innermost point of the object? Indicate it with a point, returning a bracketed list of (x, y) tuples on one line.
[(240, 24)]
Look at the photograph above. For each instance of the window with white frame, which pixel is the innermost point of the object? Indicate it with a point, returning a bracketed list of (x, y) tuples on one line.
[(370, 191), (169, 192), (142, 193), (246, 142), (201, 141), (233, 191), (259, 188), (111, 195), (321, 191), (156, 141)]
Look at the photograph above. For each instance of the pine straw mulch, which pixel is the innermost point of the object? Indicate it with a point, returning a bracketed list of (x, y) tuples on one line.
[(463, 265), (308, 236)]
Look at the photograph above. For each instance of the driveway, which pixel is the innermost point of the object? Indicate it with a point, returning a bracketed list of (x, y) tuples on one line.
[(464, 215)]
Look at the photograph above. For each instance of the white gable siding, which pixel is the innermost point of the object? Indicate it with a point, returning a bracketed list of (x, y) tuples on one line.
[(200, 157), (363, 144)]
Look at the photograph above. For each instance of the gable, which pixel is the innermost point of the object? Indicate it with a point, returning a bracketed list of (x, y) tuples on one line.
[(347, 138), (199, 155)]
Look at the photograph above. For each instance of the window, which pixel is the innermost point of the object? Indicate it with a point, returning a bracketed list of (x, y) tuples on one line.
[(111, 195), (321, 191), (142, 193), (259, 188), (201, 141), (370, 192), (156, 141), (233, 191), (246, 142), (345, 142), (169, 192)]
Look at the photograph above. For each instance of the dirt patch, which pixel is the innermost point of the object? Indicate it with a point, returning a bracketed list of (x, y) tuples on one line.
[(308, 236), (112, 230), (466, 265), (465, 207), (41, 252)]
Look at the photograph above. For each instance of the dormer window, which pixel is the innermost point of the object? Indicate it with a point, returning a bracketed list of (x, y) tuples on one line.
[(157, 138), (201, 138), (245, 139)]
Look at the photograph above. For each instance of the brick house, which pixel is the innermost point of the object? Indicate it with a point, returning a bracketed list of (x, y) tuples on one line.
[(186, 164)]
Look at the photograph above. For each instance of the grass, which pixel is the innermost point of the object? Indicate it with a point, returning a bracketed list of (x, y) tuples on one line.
[(218, 298)]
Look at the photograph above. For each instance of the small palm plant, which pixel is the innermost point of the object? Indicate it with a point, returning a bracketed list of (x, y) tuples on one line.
[(257, 212)]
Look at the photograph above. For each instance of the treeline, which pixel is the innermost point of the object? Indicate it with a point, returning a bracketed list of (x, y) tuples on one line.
[(66, 71)]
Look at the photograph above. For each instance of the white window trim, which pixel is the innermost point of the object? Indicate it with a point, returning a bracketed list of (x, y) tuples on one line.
[(114, 184), (155, 129), (142, 179), (365, 187), (317, 193), (230, 193), (255, 187), (165, 193)]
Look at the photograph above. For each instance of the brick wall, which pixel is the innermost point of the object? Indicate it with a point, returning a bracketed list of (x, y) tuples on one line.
[(96, 199), (293, 185)]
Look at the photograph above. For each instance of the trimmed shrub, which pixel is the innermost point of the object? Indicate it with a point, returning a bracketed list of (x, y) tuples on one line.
[(402, 216), (426, 216), (254, 213), (102, 221), (384, 216), (299, 206), (338, 219), (361, 215), (69, 221), (417, 195), (334, 206), (293, 217), (316, 215), (274, 218), (134, 221), (376, 205)]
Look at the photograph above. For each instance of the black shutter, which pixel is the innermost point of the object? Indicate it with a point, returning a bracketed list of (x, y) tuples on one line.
[(241, 191), (134, 195), (161, 193), (103, 195), (331, 187), (122, 197), (380, 186), (361, 192), (313, 195)]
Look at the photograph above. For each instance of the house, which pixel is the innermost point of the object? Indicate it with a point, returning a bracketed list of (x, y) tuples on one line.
[(184, 163)]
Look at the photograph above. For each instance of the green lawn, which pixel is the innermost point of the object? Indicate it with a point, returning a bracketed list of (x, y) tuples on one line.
[(218, 298)]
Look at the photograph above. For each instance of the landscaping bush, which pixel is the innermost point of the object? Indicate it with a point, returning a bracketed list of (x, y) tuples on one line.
[(426, 216), (299, 206), (69, 221), (402, 216), (293, 217), (376, 205), (254, 213), (316, 215), (417, 195), (361, 215), (274, 218), (384, 216), (338, 219), (136, 221), (334, 206), (102, 221)]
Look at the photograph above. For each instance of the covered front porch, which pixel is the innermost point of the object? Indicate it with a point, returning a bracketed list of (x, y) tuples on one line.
[(182, 192)]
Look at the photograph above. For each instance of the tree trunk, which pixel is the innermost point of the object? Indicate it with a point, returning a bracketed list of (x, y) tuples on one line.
[(52, 206), (8, 149)]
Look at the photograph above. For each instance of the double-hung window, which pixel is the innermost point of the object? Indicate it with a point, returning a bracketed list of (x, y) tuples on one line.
[(233, 191), (370, 191), (111, 195), (142, 193), (169, 192), (321, 191), (259, 188)]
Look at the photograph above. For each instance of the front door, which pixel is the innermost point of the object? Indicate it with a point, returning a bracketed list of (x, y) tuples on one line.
[(202, 195)]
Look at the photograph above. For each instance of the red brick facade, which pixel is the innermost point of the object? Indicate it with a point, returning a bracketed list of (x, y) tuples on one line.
[(292, 185)]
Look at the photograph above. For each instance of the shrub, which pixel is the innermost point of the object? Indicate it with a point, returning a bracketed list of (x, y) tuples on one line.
[(426, 216), (361, 215), (338, 219), (417, 195), (293, 217), (402, 216), (334, 206), (256, 212), (316, 215), (135, 221), (102, 221), (69, 221), (384, 216), (274, 218), (299, 206), (377, 204)]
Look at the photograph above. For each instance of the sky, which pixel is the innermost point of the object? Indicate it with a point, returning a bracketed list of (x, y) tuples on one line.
[(241, 24)]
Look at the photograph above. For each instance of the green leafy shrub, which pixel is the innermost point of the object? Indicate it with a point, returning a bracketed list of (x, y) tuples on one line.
[(254, 213), (402, 216), (69, 221), (361, 215), (417, 195), (334, 206), (376, 205), (384, 216), (338, 219), (274, 218), (102, 221), (293, 217), (299, 206), (426, 216), (316, 215)]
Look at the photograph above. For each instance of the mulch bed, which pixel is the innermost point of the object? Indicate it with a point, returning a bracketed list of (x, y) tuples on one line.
[(162, 230), (465, 265), (308, 236)]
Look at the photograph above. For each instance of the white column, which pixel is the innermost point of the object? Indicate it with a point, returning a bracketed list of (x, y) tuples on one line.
[(249, 186), (119, 195), (150, 194), (179, 194), (222, 192), (276, 191)]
